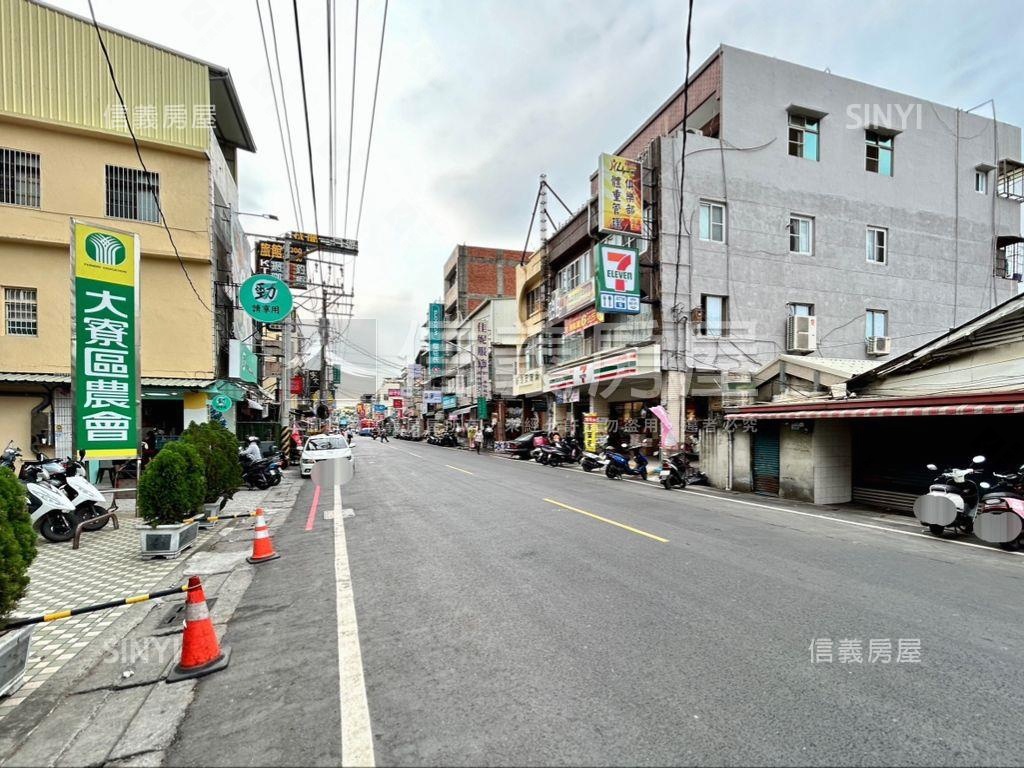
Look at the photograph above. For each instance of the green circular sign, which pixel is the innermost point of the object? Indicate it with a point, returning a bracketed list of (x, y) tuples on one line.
[(266, 298), (221, 403)]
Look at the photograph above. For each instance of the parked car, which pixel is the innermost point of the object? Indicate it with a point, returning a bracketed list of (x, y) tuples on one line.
[(321, 447), (522, 446)]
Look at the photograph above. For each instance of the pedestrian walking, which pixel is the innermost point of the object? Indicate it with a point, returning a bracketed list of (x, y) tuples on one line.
[(384, 435), (478, 439)]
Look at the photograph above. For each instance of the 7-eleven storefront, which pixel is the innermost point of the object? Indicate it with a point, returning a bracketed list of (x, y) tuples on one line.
[(872, 452), (618, 386)]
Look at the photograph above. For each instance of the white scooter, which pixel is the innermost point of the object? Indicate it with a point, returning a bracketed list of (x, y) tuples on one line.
[(89, 502), (53, 513)]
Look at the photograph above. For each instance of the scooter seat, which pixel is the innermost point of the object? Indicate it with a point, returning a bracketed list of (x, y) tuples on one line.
[(1002, 495)]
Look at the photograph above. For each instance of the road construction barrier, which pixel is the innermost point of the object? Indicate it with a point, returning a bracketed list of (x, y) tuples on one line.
[(15, 623), (262, 546)]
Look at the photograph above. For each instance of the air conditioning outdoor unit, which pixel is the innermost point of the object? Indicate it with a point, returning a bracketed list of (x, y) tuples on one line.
[(879, 345), (802, 334)]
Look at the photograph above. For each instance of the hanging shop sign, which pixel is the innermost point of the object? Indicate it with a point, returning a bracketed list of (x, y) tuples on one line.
[(436, 331), (481, 359), (380, 408), (594, 430), (481, 407), (220, 403), (565, 302), (397, 403), (618, 284), (432, 396), (270, 261), (105, 379), (582, 320), (394, 392), (449, 401), (620, 196), (316, 242), (265, 298)]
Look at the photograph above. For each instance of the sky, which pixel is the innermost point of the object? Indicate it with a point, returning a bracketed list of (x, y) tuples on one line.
[(479, 97)]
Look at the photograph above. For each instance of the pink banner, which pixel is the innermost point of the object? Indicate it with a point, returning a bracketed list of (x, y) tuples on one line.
[(666, 424)]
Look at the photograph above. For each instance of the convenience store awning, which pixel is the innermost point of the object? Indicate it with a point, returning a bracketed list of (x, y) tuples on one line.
[(980, 409)]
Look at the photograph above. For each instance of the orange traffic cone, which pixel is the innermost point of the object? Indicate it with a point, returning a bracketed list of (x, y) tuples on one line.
[(262, 546), (201, 653)]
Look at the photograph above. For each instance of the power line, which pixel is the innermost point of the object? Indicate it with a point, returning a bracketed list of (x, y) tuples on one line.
[(284, 111), (373, 114), (352, 113), (292, 187), (331, 128), (138, 152), (305, 111)]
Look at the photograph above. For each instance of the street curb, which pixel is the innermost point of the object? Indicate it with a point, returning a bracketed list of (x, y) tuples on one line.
[(22, 722)]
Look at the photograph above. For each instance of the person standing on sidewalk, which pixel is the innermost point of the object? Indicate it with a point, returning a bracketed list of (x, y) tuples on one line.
[(478, 439)]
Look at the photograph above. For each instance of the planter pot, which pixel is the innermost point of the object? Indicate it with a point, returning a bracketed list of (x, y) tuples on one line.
[(14, 647), (167, 541), (211, 509)]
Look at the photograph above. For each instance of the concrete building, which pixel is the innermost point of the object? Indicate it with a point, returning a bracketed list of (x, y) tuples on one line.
[(819, 216), (483, 356), (70, 155)]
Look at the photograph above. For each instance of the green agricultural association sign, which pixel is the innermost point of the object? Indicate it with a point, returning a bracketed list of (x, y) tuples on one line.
[(221, 403), (105, 379)]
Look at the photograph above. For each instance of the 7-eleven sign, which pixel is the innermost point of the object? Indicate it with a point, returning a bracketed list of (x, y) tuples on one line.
[(617, 285)]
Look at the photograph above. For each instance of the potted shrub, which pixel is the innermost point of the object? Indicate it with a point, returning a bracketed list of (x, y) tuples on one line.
[(171, 491), (17, 550), (218, 450)]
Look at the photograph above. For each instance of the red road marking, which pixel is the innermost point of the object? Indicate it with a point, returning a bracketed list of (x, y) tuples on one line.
[(312, 509)]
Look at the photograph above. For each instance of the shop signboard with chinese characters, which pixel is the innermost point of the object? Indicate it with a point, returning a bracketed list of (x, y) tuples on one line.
[(481, 359), (594, 430), (265, 298), (394, 392), (432, 397), (582, 320), (449, 401), (565, 302), (270, 261), (620, 196), (436, 331), (618, 280), (105, 379)]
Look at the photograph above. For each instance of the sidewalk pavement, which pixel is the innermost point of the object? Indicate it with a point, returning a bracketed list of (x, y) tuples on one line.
[(89, 695)]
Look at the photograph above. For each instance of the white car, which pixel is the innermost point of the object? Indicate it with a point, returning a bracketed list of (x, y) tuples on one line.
[(322, 447)]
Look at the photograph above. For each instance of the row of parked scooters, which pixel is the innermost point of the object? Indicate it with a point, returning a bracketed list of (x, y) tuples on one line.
[(960, 502), (59, 495), (446, 439), (617, 462)]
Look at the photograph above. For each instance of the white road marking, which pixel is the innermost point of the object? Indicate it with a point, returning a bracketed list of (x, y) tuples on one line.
[(883, 528), (356, 734)]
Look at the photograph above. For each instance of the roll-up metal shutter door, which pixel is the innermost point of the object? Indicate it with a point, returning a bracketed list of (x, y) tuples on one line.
[(766, 460)]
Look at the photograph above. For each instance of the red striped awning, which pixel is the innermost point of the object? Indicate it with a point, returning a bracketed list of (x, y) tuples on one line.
[(871, 413)]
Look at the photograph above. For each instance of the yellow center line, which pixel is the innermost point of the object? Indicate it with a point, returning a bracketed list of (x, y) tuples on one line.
[(460, 470), (606, 520)]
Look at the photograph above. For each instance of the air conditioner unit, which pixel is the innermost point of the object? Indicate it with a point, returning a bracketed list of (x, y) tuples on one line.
[(801, 333), (879, 345)]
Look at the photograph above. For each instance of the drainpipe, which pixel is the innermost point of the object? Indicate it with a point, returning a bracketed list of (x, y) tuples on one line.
[(728, 479), (47, 402)]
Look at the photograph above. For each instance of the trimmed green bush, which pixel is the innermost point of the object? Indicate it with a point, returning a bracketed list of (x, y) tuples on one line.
[(17, 542), (173, 486), (218, 449)]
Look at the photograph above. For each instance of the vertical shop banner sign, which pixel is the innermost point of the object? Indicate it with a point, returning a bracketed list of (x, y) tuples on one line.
[(618, 280), (105, 375), (436, 332), (667, 434), (481, 361), (594, 430), (620, 196)]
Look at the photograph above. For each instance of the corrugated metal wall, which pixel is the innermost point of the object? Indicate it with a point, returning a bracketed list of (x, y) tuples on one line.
[(52, 68)]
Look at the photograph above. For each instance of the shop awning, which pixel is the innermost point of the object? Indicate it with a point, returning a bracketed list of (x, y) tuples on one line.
[(462, 411), (984, 409)]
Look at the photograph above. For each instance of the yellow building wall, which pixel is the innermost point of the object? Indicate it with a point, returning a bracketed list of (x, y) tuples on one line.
[(177, 337), (16, 421)]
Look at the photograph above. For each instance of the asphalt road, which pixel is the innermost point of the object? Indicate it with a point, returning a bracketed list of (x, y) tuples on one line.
[(623, 625)]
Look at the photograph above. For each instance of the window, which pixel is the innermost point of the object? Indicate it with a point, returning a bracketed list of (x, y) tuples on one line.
[(713, 309), (132, 194), (801, 234), (801, 310), (572, 347), (877, 323), (19, 178), (569, 276), (712, 222), (20, 318), (876, 244), (879, 153), (533, 303), (803, 136), (981, 182)]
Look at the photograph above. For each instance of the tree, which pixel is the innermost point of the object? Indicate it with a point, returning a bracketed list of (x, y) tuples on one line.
[(218, 450), (17, 542), (173, 486)]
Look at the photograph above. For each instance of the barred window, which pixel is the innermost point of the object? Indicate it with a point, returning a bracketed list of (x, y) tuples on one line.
[(132, 194), (19, 178), (20, 312)]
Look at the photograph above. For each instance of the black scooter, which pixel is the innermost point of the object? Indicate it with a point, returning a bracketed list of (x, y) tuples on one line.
[(566, 451)]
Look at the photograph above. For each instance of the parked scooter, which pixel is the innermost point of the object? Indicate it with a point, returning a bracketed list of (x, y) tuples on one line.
[(564, 452), (52, 513), (89, 502), (1000, 517), (673, 472), (591, 461), (951, 501), (260, 474), (618, 463)]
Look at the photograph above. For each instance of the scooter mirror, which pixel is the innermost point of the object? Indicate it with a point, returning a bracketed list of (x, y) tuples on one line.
[(625, 445), (932, 467), (978, 459), (983, 484)]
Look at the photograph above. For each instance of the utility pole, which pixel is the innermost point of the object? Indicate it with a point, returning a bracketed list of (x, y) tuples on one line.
[(324, 329), (286, 379)]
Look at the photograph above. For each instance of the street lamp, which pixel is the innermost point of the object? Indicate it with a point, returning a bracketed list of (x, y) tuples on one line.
[(271, 216)]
